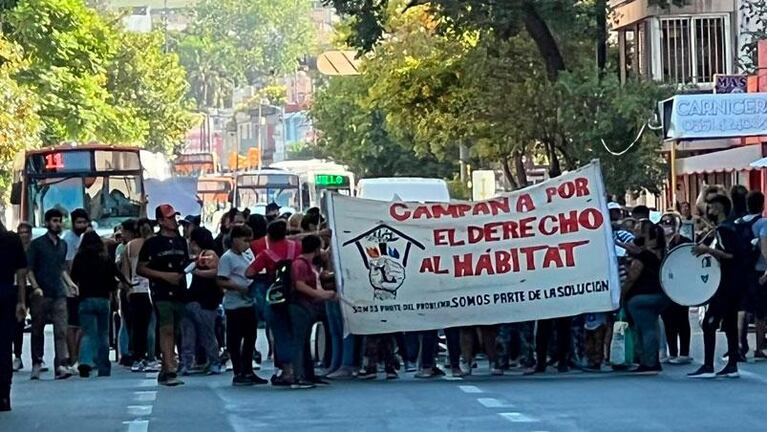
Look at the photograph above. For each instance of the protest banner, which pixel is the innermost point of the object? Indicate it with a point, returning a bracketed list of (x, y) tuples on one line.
[(542, 252)]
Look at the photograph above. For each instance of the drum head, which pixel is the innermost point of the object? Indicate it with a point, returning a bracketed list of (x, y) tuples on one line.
[(689, 280)]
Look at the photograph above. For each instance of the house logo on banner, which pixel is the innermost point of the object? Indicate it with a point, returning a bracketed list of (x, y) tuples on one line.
[(384, 251)]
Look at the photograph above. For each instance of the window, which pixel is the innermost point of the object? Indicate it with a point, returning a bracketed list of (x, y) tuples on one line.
[(692, 49), (634, 51)]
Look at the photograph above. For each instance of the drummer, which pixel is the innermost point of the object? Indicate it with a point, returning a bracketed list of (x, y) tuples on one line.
[(724, 305), (676, 317)]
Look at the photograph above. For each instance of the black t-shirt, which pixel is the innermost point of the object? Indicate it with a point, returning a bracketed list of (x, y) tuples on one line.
[(678, 240), (726, 241), (649, 280), (12, 257), (95, 275), (205, 291), (166, 254)]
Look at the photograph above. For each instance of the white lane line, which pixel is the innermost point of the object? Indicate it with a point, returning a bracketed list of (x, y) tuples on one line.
[(516, 417), (470, 389), (145, 396), (139, 410), (137, 425), (494, 403), (147, 383)]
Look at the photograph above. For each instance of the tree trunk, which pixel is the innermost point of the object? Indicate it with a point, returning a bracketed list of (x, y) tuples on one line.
[(601, 17), (554, 168), (508, 174), (544, 40), (519, 167)]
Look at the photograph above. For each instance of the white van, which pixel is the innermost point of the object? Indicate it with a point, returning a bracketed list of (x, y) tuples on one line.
[(408, 189)]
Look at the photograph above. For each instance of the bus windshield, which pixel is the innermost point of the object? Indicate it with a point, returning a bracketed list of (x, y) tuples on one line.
[(108, 199), (256, 199)]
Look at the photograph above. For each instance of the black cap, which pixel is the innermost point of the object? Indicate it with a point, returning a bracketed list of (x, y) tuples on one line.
[(191, 219), (271, 207)]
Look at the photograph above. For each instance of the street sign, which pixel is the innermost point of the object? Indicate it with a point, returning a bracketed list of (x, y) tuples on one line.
[(730, 83)]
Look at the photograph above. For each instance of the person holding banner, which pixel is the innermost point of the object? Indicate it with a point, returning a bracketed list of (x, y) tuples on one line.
[(645, 298), (723, 307)]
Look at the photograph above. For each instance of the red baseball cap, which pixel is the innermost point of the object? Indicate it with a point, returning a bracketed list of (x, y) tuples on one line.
[(165, 211)]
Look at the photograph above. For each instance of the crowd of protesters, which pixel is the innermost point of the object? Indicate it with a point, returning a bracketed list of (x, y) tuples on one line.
[(274, 272)]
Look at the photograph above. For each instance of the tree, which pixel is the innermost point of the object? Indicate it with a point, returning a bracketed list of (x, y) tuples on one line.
[(151, 85), (236, 42), (20, 125), (356, 134), (69, 48)]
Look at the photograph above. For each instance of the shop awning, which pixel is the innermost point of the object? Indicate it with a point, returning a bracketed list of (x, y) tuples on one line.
[(734, 159)]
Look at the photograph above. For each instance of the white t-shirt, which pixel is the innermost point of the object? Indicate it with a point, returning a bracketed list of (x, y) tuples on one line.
[(232, 266), (73, 243)]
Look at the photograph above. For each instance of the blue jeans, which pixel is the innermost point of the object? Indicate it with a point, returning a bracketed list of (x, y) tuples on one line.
[(94, 347), (336, 325), (351, 351), (302, 319), (645, 310), (278, 321)]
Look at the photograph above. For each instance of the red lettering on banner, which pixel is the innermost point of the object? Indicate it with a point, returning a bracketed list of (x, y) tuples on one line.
[(438, 211), (462, 209), (591, 218), (525, 203), (463, 265), (484, 264), (492, 229), (481, 209), (439, 236), (530, 255), (437, 268), (475, 234), (427, 266), (552, 256), (542, 226), (400, 215), (420, 212), (526, 227), (502, 264), (510, 230), (501, 205), (582, 186), (568, 247), (568, 223)]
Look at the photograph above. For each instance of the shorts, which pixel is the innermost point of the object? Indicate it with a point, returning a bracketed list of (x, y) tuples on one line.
[(755, 300), (73, 311), (169, 313)]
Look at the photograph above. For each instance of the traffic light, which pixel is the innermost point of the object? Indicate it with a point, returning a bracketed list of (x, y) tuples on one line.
[(254, 157)]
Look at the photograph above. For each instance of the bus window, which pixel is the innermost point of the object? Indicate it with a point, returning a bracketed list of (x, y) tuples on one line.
[(305, 196), (64, 194), (113, 199)]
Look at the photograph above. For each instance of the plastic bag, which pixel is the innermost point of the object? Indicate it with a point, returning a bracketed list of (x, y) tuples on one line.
[(622, 344)]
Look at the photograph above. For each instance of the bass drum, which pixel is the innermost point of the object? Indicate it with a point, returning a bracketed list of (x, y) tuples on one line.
[(689, 280)]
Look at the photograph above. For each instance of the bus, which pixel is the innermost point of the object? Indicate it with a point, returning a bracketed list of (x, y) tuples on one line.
[(195, 164), (256, 189), (318, 175), (215, 193), (107, 181)]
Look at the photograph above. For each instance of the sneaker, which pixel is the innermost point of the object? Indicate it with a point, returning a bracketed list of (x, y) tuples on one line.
[(241, 381), (320, 381), (184, 371), (425, 373), (538, 369), (703, 372), (410, 367), (36, 369), (726, 358), (139, 366), (367, 374), (5, 404), (162, 378), (84, 370), (63, 372), (43, 367), (496, 371), (214, 369), (647, 370), (729, 371), (255, 379), (456, 372), (758, 356), (391, 375), (681, 360), (256, 365), (17, 364), (153, 366), (279, 381), (302, 384), (172, 380), (669, 359), (592, 368), (342, 373)]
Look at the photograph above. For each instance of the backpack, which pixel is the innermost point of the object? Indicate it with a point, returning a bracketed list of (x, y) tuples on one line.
[(280, 292), (746, 250)]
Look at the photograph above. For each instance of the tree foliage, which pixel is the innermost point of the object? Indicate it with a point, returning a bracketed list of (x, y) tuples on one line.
[(237, 42), (20, 125), (356, 134)]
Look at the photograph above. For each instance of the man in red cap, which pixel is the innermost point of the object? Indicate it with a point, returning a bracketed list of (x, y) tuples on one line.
[(162, 260)]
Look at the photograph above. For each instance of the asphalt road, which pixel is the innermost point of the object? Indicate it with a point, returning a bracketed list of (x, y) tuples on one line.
[(554, 402)]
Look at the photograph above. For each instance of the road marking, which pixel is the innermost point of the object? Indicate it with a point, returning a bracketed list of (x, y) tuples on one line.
[(494, 403), (147, 383), (751, 375), (145, 396), (516, 417), (139, 410), (470, 389), (137, 425)]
